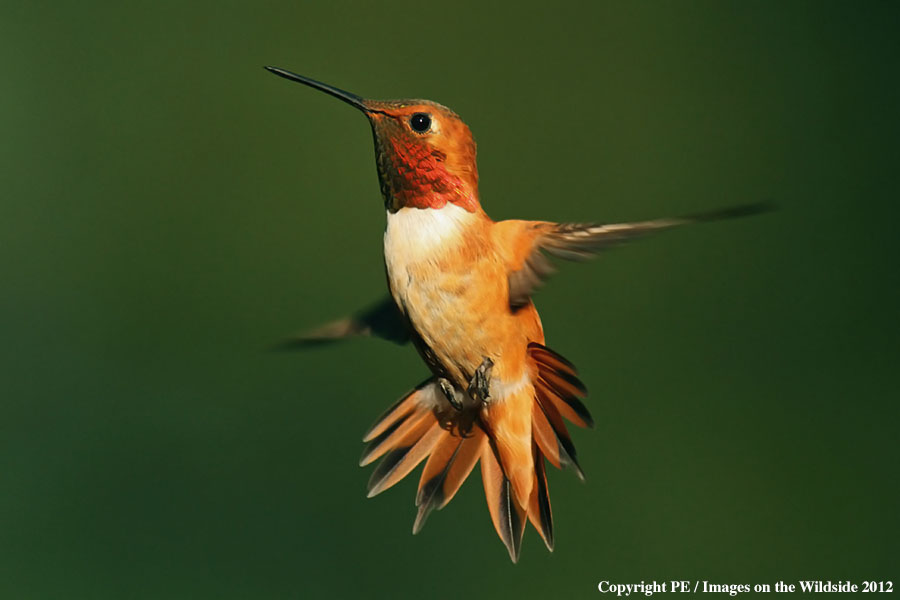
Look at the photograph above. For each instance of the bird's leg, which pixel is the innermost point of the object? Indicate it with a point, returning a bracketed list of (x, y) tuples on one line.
[(450, 393), (480, 386)]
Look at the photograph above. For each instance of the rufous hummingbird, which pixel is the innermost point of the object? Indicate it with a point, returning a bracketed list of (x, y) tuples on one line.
[(460, 290)]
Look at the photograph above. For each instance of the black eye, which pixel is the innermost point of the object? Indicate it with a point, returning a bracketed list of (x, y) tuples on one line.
[(420, 122)]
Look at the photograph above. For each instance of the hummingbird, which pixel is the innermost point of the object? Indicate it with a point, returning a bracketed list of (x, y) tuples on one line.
[(461, 289)]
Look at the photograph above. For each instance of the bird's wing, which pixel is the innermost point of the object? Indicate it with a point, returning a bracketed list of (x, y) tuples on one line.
[(580, 241), (382, 319)]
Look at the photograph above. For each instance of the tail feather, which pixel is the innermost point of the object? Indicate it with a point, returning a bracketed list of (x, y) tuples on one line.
[(572, 409), (447, 467), (539, 512), (400, 409), (402, 432), (506, 513), (545, 356), (507, 420), (422, 425), (566, 449), (563, 393), (560, 385), (545, 438), (399, 462)]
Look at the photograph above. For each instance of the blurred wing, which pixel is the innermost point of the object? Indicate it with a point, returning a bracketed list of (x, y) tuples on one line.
[(580, 241), (382, 320)]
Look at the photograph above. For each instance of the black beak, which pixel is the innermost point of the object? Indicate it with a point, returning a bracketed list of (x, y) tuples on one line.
[(351, 99)]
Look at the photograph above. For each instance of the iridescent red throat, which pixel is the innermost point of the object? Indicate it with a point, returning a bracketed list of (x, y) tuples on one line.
[(414, 175)]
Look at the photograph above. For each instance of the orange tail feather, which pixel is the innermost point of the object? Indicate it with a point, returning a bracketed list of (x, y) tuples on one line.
[(511, 438)]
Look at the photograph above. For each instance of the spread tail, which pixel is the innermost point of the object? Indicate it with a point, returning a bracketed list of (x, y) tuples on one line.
[(513, 437)]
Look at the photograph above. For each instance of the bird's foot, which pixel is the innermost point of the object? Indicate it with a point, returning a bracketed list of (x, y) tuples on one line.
[(480, 386), (450, 393)]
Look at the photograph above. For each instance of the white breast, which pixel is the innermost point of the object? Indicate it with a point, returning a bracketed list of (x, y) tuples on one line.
[(424, 230), (417, 235)]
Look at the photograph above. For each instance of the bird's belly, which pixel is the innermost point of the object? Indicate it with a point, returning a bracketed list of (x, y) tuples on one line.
[(441, 288), (451, 314), (453, 288)]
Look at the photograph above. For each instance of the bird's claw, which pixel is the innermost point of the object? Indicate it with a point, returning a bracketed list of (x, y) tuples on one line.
[(450, 393), (480, 386)]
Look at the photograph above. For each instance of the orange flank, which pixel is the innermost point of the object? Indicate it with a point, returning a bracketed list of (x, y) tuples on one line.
[(460, 290)]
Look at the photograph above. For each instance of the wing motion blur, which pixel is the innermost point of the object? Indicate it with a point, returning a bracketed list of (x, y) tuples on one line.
[(382, 319), (580, 241)]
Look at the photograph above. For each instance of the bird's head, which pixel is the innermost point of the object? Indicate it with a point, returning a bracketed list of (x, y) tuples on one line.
[(424, 152)]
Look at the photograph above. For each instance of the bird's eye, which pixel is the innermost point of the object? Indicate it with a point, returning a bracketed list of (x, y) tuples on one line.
[(420, 122)]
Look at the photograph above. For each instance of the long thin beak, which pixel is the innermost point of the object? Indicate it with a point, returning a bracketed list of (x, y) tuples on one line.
[(351, 99)]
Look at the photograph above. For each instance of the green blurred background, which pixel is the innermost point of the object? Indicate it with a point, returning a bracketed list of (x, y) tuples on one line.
[(169, 209)]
